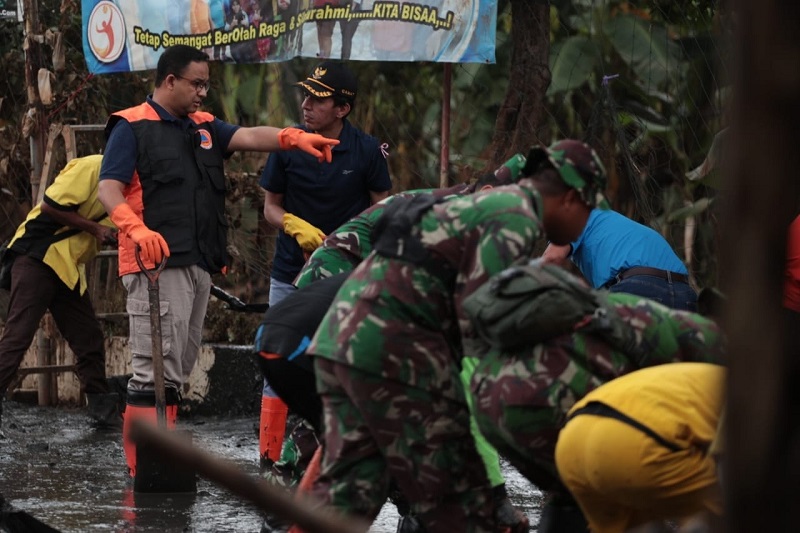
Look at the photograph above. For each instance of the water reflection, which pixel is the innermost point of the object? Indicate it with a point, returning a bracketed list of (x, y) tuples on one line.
[(139, 512)]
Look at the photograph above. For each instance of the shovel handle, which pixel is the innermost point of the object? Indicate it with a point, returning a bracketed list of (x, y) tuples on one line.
[(155, 334), (152, 274)]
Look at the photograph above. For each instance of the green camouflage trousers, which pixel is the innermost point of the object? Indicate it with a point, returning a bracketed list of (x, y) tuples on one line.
[(377, 429), (298, 447)]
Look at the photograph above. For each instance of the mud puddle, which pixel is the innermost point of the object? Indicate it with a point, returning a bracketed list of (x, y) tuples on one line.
[(55, 467)]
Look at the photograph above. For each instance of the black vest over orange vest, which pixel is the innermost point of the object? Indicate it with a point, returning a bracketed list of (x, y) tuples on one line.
[(182, 185)]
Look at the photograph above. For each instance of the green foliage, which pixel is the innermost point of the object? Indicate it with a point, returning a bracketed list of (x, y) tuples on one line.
[(646, 49), (572, 62), (663, 111), (661, 108)]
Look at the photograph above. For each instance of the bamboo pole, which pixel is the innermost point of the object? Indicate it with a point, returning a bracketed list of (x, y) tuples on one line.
[(267, 497)]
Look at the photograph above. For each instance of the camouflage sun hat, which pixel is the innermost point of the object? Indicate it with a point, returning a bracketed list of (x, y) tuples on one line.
[(577, 164)]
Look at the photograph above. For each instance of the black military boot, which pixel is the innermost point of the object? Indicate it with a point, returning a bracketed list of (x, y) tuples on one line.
[(104, 410), (561, 514), (508, 517), (408, 523), (273, 524)]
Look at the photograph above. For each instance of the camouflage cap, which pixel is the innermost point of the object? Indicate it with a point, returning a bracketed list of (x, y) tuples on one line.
[(577, 164), (510, 170)]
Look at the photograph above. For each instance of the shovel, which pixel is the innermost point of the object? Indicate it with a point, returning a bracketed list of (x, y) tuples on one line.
[(152, 473), (235, 304)]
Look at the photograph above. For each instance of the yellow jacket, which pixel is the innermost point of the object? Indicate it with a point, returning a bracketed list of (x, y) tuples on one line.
[(681, 402), (75, 188)]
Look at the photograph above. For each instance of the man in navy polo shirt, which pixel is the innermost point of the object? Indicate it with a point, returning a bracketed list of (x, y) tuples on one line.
[(307, 200)]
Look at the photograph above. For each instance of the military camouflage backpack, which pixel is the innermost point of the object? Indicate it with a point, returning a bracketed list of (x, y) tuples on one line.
[(531, 303)]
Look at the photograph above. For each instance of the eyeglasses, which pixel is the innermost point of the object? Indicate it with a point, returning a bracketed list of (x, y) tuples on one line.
[(199, 85)]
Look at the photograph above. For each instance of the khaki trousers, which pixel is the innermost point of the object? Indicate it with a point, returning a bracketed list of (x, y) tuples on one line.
[(183, 300)]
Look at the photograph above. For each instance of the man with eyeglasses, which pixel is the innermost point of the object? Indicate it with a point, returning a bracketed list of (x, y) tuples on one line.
[(163, 185)]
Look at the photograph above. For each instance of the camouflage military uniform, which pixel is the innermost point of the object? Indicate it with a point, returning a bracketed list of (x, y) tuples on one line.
[(341, 251), (387, 365), (344, 249), (522, 398)]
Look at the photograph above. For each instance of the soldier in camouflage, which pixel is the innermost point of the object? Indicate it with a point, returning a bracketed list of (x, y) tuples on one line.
[(522, 396), (341, 252), (387, 362)]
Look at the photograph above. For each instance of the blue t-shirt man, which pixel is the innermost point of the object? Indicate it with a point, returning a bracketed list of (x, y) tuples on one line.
[(612, 251), (612, 243)]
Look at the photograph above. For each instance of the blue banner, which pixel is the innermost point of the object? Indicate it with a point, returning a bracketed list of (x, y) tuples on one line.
[(129, 35), (9, 9)]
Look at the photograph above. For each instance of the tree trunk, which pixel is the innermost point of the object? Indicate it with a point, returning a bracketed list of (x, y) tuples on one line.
[(520, 121), (763, 433)]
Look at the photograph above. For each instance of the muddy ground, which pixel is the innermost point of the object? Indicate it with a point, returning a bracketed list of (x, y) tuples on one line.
[(55, 467)]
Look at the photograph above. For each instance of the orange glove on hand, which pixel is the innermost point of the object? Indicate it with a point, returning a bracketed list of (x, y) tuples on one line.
[(312, 143), (308, 237), (153, 245)]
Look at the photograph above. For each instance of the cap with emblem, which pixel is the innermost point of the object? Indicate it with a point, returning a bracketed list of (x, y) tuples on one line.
[(330, 78)]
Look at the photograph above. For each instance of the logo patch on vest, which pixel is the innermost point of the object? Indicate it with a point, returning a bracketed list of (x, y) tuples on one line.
[(205, 139)]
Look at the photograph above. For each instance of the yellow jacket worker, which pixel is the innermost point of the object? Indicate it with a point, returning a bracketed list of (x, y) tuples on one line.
[(636, 449), (51, 248)]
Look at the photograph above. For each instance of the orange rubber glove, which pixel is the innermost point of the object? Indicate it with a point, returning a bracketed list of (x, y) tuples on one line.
[(152, 244), (312, 143), (307, 236)]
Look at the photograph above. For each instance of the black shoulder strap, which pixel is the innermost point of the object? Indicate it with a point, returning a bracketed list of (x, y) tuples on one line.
[(391, 235), (74, 231)]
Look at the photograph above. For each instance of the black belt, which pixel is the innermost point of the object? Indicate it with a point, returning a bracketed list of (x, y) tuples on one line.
[(648, 271), (601, 409)]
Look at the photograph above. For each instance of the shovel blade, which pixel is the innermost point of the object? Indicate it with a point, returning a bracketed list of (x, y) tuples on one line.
[(156, 475)]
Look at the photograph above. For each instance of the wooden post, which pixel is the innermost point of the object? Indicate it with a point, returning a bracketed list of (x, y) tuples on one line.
[(36, 122), (35, 127), (444, 157), (762, 193)]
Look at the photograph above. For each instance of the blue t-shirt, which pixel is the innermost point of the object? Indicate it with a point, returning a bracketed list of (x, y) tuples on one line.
[(611, 243), (122, 151), (325, 195)]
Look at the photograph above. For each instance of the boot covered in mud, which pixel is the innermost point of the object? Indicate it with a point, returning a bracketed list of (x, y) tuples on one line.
[(104, 410), (142, 405), (273, 524), (408, 523), (509, 518), (561, 514)]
